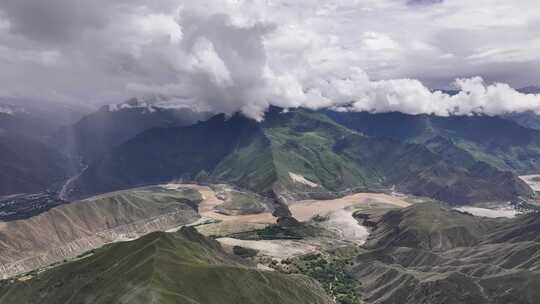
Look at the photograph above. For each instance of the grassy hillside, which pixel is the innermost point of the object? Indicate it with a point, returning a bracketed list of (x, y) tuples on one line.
[(303, 143), (183, 267), (250, 165), (337, 159)]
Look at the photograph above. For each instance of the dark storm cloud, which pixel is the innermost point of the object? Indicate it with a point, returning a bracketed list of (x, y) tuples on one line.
[(52, 20)]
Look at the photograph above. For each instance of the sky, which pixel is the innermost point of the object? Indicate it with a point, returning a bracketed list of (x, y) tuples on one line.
[(236, 55)]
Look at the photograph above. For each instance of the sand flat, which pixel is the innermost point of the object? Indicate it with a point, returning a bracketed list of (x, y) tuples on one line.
[(340, 221), (301, 210), (306, 209), (346, 226), (210, 201)]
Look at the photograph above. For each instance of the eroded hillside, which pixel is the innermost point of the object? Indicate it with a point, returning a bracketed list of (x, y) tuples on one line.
[(429, 254), (68, 230)]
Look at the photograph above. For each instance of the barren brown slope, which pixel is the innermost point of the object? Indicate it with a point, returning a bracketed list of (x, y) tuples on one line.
[(69, 230)]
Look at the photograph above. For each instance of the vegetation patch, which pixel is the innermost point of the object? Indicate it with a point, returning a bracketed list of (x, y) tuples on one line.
[(244, 252), (277, 232), (330, 271), (271, 232)]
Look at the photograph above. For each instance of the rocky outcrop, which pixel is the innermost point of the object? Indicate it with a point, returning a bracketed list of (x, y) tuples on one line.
[(69, 230)]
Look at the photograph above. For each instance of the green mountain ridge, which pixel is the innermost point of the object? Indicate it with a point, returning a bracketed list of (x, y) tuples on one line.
[(266, 158), (181, 267), (496, 141)]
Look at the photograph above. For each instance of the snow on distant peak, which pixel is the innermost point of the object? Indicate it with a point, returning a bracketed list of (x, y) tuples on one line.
[(150, 104), (134, 103)]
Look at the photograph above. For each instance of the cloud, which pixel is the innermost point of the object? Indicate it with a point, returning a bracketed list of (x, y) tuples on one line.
[(223, 66), (52, 20), (227, 56), (412, 97)]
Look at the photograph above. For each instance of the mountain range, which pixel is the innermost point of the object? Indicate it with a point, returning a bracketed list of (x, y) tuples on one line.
[(462, 139), (264, 157), (43, 146), (115, 179), (467, 151)]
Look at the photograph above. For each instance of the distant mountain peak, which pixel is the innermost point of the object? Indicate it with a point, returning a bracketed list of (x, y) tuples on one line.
[(152, 103), (133, 103), (530, 90)]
